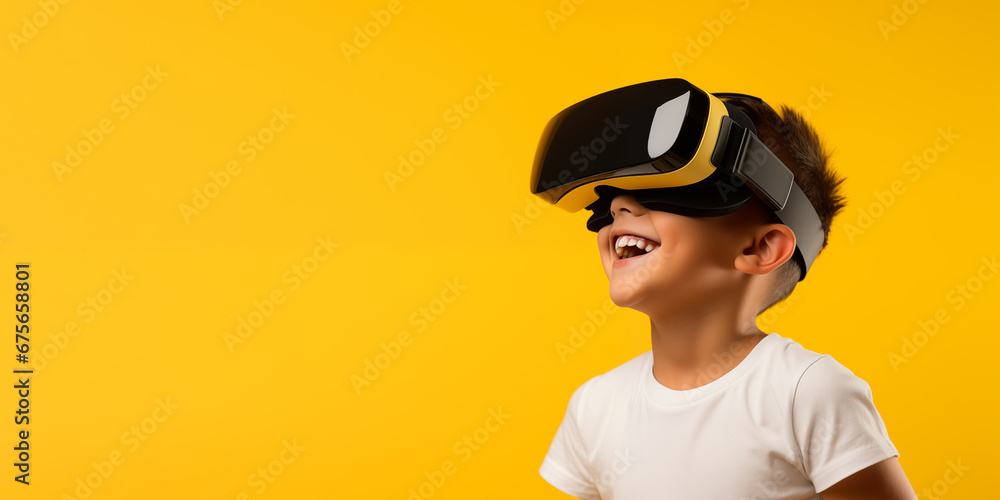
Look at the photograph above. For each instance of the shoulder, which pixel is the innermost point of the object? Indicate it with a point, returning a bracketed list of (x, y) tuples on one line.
[(811, 374), (835, 424), (789, 357), (615, 380), (597, 396), (827, 386), (802, 380), (818, 376)]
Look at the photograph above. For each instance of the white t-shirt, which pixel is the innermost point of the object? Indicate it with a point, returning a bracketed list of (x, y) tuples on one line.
[(783, 424)]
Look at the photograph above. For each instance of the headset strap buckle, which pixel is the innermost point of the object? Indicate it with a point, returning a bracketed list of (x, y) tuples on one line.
[(740, 151)]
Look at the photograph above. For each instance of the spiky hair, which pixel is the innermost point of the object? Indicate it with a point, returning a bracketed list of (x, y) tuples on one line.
[(790, 137)]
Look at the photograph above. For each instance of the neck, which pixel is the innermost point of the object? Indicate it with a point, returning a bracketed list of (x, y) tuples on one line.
[(696, 346)]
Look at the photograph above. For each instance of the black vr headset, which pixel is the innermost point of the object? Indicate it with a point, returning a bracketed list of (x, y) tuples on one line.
[(674, 148)]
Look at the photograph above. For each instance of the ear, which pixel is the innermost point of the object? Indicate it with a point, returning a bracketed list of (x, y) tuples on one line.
[(771, 246)]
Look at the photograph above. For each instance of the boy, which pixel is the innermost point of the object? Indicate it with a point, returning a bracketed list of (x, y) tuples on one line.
[(717, 409)]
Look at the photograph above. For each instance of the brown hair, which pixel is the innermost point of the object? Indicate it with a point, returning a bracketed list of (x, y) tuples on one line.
[(798, 146)]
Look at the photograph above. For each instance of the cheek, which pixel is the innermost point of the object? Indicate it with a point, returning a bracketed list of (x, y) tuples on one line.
[(689, 244), (602, 237), (604, 246), (705, 256)]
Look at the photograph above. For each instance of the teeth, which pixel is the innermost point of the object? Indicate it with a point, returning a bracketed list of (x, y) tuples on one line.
[(632, 241)]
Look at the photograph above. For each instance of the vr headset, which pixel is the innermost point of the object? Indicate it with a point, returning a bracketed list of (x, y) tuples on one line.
[(674, 148)]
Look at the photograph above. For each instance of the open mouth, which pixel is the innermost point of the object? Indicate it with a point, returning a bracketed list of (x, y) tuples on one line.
[(628, 246)]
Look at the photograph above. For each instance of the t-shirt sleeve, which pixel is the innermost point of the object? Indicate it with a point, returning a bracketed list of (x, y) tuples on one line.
[(835, 423), (566, 465)]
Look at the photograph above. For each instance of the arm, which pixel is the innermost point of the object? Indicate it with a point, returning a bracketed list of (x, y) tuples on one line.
[(844, 446), (566, 466), (884, 480)]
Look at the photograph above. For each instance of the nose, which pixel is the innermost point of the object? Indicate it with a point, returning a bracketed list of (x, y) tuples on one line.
[(626, 203)]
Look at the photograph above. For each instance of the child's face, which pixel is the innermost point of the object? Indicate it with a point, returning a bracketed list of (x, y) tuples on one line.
[(693, 261)]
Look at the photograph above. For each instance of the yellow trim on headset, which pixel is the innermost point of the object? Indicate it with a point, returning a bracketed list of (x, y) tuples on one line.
[(700, 167)]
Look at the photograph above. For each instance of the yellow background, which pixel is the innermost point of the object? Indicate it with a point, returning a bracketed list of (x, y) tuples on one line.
[(464, 215)]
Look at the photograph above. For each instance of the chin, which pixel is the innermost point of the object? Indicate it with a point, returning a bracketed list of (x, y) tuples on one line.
[(625, 293), (649, 294)]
